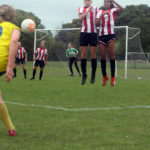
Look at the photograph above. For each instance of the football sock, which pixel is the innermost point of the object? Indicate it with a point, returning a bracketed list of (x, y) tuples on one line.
[(14, 71), (112, 66), (4, 116), (34, 73), (103, 67), (41, 74), (25, 73), (83, 67), (94, 66)]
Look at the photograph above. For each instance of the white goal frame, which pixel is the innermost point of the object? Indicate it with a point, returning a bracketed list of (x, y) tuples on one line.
[(73, 29)]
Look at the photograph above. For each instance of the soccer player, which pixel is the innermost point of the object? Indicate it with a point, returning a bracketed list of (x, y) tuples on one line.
[(9, 36), (41, 60), (88, 37), (106, 20), (72, 55), (21, 57)]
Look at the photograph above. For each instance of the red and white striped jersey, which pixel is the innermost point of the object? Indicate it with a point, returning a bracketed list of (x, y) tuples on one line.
[(107, 22), (21, 53), (88, 24), (41, 53)]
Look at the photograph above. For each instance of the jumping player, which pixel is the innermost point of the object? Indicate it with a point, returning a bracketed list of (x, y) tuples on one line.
[(106, 20), (41, 60), (72, 55), (21, 57), (9, 36), (88, 37)]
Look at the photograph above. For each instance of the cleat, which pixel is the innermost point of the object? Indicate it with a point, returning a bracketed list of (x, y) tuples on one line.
[(92, 79), (84, 80), (71, 75), (12, 133), (32, 78), (14, 76), (104, 81), (112, 81)]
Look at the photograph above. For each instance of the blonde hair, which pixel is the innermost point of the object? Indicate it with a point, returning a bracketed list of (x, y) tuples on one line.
[(7, 13)]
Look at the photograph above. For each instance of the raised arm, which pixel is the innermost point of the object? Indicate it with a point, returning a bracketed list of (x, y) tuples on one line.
[(99, 17), (12, 53), (83, 15), (118, 5)]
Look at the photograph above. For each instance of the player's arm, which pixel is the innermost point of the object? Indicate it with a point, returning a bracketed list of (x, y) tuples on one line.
[(67, 54), (26, 56), (99, 17), (34, 55), (83, 15), (76, 51), (12, 53), (118, 5), (46, 57)]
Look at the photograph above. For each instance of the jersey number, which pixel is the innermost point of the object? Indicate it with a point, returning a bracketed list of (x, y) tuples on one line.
[(1, 31)]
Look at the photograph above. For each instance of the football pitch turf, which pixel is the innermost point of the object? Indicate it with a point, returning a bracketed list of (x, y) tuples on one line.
[(58, 113)]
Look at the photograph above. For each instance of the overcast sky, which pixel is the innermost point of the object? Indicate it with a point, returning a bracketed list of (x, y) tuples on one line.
[(55, 12)]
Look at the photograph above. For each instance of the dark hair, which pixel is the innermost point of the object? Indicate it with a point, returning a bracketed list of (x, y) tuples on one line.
[(111, 6)]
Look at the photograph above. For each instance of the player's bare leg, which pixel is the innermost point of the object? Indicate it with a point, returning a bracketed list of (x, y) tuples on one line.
[(93, 63), (24, 70), (103, 63), (83, 63), (4, 116), (111, 46)]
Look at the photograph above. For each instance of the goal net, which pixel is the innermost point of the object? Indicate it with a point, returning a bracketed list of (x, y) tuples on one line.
[(131, 61)]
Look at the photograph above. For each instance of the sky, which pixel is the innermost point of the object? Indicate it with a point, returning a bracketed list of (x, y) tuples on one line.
[(55, 12)]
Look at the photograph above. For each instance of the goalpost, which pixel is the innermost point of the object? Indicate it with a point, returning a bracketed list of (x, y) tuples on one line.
[(128, 44)]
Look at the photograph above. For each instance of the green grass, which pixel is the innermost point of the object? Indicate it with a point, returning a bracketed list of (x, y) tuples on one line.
[(50, 129)]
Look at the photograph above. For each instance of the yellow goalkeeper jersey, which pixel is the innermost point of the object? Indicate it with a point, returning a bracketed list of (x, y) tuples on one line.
[(6, 29)]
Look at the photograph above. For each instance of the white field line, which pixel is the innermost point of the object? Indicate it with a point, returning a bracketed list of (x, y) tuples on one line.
[(80, 109)]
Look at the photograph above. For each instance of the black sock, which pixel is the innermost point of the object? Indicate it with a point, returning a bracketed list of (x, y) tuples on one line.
[(41, 74), (83, 67), (34, 73), (14, 71), (25, 73), (113, 67), (76, 65), (94, 66), (103, 67)]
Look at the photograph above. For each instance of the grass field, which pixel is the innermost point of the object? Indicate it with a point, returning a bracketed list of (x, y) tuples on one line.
[(76, 128)]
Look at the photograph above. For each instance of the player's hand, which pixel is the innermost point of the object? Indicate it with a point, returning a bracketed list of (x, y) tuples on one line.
[(75, 56), (105, 13), (90, 8), (9, 74)]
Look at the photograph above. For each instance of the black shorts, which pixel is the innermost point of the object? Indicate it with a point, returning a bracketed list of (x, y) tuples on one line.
[(2, 73), (73, 60), (88, 39), (106, 39), (39, 63), (20, 61)]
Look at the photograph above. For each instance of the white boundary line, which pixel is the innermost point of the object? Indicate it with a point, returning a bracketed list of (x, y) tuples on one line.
[(80, 109)]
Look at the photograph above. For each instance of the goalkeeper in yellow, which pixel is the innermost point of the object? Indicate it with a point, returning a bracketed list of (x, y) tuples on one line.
[(9, 36)]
